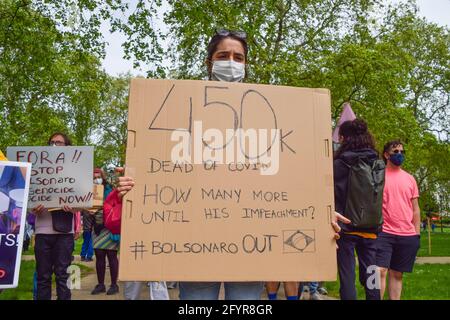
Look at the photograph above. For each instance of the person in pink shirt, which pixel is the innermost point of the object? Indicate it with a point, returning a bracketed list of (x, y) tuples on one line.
[(399, 242)]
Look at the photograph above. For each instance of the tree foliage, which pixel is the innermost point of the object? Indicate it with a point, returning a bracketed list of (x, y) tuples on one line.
[(387, 61)]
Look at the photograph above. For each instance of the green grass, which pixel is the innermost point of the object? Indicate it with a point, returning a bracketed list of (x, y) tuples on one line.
[(29, 252), (24, 291), (427, 282), (440, 244), (445, 228), (78, 245)]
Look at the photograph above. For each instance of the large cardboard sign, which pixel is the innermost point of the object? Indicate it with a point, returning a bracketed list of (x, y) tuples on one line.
[(228, 210), (14, 186), (60, 176)]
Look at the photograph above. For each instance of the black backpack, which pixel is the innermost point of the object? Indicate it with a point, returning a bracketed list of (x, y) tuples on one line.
[(365, 186)]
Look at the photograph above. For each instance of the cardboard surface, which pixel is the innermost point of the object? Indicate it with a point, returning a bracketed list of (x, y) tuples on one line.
[(60, 175), (98, 192), (229, 222)]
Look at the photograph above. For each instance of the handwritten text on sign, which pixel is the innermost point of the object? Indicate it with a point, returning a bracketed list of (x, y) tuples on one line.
[(228, 209), (60, 176)]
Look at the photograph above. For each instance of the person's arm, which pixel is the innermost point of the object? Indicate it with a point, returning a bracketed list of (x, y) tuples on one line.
[(334, 223), (38, 210), (415, 205), (125, 184), (416, 214)]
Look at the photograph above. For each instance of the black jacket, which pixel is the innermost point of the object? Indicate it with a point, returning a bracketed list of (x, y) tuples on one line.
[(341, 171)]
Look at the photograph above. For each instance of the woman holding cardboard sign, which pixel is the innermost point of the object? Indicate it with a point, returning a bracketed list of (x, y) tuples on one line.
[(226, 61)]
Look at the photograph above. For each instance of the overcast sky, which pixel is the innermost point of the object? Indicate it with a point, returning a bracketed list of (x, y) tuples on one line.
[(437, 11)]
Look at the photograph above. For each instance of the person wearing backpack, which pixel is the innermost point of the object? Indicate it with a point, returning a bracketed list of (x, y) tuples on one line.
[(358, 191), (399, 242)]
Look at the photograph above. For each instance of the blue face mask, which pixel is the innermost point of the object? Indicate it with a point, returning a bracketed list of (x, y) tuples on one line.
[(397, 158)]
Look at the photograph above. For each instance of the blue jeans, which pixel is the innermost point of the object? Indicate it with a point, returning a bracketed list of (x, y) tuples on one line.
[(87, 250), (132, 290), (210, 290), (313, 286)]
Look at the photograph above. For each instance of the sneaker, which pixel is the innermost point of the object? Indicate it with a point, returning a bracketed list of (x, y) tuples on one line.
[(305, 295), (88, 260), (100, 288), (171, 285), (113, 290), (315, 296), (322, 291), (83, 259)]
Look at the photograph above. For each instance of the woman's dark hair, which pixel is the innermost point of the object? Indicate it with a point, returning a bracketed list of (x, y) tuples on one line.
[(389, 145), (66, 138), (217, 39), (356, 136)]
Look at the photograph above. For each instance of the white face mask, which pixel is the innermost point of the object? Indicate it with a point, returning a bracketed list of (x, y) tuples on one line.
[(228, 70), (98, 181)]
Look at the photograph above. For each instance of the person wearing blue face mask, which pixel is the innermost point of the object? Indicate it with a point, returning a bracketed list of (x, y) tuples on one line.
[(398, 244)]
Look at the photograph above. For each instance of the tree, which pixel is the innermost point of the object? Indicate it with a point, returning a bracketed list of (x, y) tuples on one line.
[(392, 65), (27, 74), (82, 20), (112, 129), (46, 85)]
